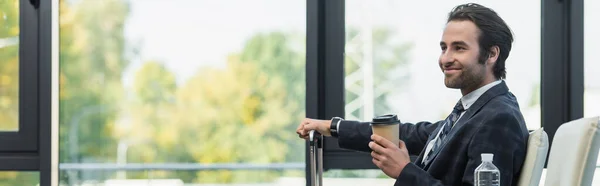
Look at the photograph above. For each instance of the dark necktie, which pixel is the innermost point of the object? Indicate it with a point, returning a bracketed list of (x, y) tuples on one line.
[(448, 123)]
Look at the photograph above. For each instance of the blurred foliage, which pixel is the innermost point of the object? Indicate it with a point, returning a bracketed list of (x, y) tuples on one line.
[(236, 114), (9, 65), (92, 59), (14, 178)]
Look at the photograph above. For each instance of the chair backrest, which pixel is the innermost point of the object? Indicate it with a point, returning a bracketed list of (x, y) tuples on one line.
[(537, 151), (574, 153)]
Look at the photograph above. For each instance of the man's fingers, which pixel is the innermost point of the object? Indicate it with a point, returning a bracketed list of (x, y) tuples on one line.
[(305, 127), (377, 156), (376, 147), (382, 141), (402, 145), (300, 130), (376, 162), (308, 127), (302, 136)]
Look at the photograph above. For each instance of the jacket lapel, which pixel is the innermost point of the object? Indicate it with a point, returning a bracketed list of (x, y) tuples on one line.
[(419, 160), (497, 90)]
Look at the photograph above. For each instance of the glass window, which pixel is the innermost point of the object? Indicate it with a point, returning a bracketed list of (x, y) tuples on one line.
[(214, 85), (591, 67), (9, 65), (392, 50), (12, 178), (392, 55)]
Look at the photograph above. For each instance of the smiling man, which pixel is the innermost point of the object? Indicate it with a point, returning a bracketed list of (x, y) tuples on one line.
[(474, 47)]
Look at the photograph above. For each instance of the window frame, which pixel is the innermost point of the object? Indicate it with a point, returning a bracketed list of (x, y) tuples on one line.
[(25, 138), (562, 82), (34, 147), (325, 85)]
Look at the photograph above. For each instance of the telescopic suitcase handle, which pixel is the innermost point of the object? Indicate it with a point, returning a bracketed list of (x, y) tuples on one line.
[(316, 158)]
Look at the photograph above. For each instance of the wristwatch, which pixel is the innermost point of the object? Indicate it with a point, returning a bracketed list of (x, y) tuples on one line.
[(335, 123)]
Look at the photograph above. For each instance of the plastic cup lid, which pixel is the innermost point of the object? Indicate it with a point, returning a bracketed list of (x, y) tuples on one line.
[(389, 119)]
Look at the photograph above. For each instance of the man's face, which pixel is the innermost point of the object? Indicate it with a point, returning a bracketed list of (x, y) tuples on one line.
[(460, 54)]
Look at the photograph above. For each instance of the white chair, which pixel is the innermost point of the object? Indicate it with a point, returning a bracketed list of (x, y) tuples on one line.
[(537, 151), (572, 159)]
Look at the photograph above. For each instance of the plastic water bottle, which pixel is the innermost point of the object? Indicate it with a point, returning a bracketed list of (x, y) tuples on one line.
[(487, 174)]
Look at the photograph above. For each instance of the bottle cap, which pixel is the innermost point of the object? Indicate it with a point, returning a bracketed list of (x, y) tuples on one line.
[(487, 157)]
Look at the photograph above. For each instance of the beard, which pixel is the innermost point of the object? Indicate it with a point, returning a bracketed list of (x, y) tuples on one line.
[(469, 76)]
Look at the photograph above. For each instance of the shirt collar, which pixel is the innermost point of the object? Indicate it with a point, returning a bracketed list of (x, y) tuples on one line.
[(470, 98)]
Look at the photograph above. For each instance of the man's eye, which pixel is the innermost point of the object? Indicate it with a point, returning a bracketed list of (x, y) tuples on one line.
[(460, 48), (443, 48)]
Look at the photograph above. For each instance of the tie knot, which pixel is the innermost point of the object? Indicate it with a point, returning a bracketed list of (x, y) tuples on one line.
[(458, 108)]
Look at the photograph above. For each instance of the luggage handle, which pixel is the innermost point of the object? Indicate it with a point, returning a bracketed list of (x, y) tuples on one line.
[(316, 158)]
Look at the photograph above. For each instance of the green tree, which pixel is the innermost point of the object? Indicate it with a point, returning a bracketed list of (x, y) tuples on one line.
[(92, 59), (154, 84), (239, 114), (9, 65), (233, 115), (150, 107), (152, 130), (282, 55)]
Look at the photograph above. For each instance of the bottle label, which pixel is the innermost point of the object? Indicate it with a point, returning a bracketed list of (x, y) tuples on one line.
[(487, 178)]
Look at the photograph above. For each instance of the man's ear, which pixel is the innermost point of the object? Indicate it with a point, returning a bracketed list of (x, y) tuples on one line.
[(493, 55)]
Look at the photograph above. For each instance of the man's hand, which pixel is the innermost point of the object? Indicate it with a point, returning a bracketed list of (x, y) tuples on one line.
[(321, 126), (390, 158)]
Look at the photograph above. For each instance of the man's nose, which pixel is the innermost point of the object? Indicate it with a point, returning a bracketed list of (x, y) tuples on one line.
[(446, 57)]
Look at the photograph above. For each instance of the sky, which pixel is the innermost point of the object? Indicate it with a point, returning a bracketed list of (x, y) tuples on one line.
[(188, 34)]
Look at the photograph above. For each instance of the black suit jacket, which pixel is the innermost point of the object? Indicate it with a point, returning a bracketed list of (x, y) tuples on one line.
[(493, 124)]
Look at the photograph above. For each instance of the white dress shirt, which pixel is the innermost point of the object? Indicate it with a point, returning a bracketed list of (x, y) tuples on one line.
[(467, 101)]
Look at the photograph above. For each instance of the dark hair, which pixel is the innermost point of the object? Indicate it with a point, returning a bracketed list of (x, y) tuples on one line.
[(493, 32)]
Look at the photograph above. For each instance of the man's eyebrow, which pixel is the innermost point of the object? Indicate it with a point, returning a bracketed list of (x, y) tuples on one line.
[(454, 43), (459, 43)]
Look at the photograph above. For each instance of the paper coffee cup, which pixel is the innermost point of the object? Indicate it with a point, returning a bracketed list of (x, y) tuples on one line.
[(387, 126)]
